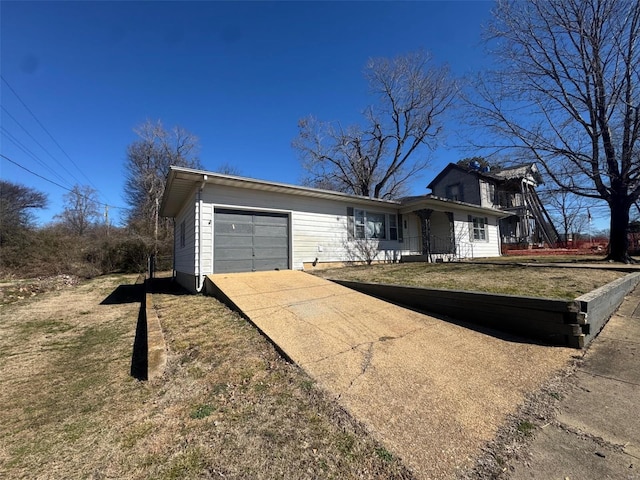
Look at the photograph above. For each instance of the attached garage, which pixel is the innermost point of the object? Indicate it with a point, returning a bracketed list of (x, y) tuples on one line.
[(226, 224), (249, 241)]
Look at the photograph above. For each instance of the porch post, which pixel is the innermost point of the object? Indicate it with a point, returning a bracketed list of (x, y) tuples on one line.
[(425, 226), (452, 232)]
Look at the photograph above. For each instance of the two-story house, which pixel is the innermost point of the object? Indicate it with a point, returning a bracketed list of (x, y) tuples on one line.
[(510, 189)]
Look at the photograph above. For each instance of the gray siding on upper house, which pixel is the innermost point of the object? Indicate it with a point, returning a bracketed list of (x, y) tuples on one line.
[(468, 183)]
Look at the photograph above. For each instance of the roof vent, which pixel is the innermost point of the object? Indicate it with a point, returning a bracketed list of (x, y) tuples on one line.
[(475, 165), (486, 169)]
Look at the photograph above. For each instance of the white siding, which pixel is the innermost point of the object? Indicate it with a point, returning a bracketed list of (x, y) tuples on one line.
[(206, 230), (185, 257), (318, 226), (470, 248), (465, 248), (487, 194)]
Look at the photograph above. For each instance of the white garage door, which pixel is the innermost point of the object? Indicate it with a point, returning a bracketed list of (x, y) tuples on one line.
[(250, 241)]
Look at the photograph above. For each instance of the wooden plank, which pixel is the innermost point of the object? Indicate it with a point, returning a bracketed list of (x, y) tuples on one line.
[(478, 298), (555, 325)]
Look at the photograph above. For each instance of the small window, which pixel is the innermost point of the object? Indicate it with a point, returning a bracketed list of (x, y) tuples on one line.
[(479, 229), (393, 227), (183, 234), (454, 192)]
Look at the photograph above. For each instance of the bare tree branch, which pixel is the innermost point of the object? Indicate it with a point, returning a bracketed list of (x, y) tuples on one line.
[(565, 95), (378, 158), (148, 161)]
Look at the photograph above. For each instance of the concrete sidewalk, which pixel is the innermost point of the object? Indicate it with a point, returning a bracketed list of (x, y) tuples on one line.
[(431, 391), (596, 434)]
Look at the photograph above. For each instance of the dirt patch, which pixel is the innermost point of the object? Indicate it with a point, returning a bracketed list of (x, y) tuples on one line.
[(513, 439), (14, 290), (510, 279), (227, 406)]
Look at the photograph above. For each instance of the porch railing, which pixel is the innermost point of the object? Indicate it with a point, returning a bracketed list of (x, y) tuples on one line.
[(439, 247)]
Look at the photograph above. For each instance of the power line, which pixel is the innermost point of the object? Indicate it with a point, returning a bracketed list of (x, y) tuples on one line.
[(57, 184), (28, 152), (47, 132), (40, 145)]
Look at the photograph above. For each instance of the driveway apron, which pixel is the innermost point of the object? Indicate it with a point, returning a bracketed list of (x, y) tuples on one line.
[(431, 391)]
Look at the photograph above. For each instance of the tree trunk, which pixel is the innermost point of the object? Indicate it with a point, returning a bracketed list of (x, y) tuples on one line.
[(618, 239)]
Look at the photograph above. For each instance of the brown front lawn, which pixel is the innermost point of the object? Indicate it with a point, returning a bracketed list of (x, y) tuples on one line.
[(228, 406), (508, 278)]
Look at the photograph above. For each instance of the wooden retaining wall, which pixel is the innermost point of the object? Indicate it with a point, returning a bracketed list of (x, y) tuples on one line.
[(599, 304), (571, 323)]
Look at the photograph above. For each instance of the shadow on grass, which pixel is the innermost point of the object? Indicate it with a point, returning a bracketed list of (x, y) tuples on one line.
[(495, 332), (140, 354), (125, 294), (167, 286), (136, 294)]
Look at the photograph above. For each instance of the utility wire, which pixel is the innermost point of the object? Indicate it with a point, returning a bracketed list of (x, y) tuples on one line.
[(57, 184), (47, 131), (28, 152), (41, 146)]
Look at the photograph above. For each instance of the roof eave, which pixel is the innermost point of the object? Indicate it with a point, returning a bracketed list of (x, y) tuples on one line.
[(171, 209), (434, 201)]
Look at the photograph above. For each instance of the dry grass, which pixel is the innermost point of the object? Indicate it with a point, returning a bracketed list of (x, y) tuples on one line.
[(510, 278), (228, 406)]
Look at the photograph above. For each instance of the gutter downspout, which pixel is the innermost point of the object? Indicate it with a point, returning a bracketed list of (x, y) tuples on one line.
[(200, 278), (173, 263)]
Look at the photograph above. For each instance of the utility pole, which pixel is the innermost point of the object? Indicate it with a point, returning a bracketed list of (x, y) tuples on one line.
[(156, 228), (106, 217)]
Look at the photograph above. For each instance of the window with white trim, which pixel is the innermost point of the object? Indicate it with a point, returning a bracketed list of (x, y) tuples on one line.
[(479, 229), (393, 227), (369, 225), (365, 224)]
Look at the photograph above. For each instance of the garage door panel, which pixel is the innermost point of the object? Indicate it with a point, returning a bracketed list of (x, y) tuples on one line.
[(227, 241), (276, 220), (270, 264), (270, 252), (248, 241), (270, 231), (238, 253), (226, 228), (232, 266), (271, 242), (233, 216)]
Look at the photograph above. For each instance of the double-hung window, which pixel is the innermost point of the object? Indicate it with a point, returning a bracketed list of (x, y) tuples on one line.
[(478, 229)]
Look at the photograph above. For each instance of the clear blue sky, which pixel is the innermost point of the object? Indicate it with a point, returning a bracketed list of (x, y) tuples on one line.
[(237, 75)]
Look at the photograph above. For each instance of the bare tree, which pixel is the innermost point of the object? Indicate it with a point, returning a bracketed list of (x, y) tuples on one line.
[(148, 161), (362, 250), (81, 209), (227, 168), (567, 96), (16, 205), (378, 157), (568, 210)]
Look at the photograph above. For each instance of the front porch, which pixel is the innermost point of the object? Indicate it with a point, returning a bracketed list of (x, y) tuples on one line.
[(433, 239)]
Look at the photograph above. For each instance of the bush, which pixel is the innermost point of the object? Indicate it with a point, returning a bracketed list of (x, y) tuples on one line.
[(53, 250)]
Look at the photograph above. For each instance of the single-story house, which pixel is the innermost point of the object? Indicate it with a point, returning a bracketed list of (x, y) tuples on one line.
[(226, 223)]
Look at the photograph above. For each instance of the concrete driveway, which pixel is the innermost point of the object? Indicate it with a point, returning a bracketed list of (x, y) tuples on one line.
[(431, 391)]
